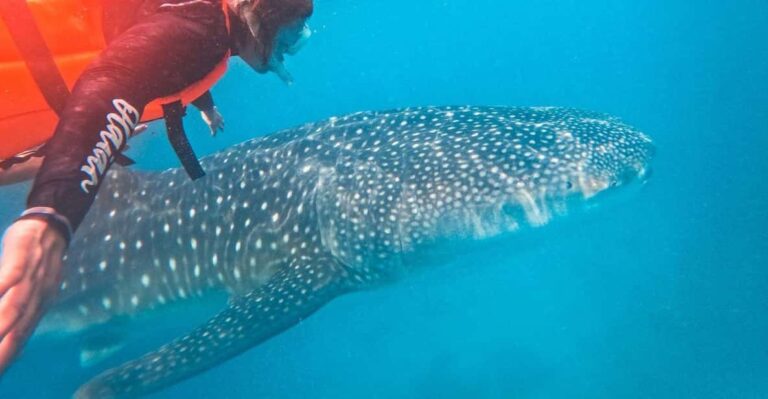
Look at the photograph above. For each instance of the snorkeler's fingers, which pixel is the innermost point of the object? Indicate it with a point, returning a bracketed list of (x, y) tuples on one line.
[(35, 249), (11, 343), (13, 264), (11, 272), (49, 275), (15, 304), (11, 267)]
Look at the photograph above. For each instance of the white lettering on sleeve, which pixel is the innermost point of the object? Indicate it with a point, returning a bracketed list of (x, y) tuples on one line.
[(119, 127)]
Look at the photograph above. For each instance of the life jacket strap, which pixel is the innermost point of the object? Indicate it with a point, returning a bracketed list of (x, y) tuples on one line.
[(37, 56), (173, 114)]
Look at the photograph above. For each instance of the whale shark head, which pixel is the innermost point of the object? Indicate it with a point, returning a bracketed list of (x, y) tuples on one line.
[(615, 164), (607, 154), (566, 152), (455, 173)]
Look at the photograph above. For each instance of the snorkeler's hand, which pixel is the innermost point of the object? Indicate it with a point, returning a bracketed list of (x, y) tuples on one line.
[(213, 119), (30, 269), (20, 172)]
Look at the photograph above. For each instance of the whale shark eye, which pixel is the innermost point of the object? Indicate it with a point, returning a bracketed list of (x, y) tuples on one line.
[(569, 185)]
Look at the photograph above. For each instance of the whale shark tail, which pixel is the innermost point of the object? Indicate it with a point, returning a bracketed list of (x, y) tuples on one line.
[(293, 294)]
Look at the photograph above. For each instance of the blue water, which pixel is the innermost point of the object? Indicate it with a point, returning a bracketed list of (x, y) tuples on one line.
[(664, 295)]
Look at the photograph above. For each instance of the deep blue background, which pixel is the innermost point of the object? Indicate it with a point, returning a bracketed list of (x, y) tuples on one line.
[(662, 296)]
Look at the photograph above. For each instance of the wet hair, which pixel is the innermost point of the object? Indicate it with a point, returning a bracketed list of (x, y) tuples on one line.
[(275, 14)]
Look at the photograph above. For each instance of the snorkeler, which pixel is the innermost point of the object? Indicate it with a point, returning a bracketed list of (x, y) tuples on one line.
[(163, 50)]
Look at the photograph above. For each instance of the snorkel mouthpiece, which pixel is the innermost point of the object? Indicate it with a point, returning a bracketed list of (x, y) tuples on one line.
[(289, 41), (278, 67), (277, 28)]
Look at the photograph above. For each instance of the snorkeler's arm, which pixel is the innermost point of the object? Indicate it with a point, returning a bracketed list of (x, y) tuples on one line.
[(100, 115), (204, 102), (110, 96), (209, 112)]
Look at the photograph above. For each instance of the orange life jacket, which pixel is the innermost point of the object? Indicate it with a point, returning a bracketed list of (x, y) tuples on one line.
[(72, 32)]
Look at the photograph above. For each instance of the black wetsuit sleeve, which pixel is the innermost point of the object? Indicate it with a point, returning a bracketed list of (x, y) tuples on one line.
[(204, 102), (158, 56)]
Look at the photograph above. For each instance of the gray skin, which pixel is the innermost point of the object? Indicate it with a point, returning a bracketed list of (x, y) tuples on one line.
[(287, 222)]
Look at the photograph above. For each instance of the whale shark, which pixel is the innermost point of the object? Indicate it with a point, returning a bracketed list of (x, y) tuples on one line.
[(287, 222)]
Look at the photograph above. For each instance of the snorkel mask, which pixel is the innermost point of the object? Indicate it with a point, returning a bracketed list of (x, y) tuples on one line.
[(271, 20), (289, 40)]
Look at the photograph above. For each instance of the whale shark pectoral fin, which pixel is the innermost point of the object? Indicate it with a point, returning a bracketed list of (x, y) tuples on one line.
[(292, 294), (93, 356)]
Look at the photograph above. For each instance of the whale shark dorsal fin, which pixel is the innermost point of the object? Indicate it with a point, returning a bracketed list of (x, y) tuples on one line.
[(292, 294)]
